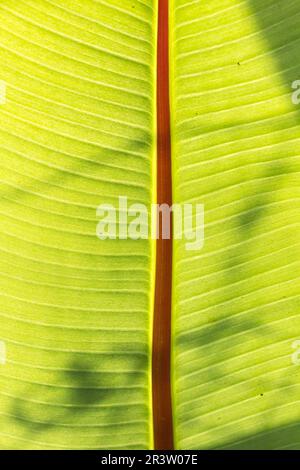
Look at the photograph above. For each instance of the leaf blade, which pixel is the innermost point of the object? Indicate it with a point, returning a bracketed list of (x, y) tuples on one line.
[(235, 149), (77, 131)]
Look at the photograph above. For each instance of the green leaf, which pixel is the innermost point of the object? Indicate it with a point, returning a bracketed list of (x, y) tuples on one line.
[(236, 146), (76, 312), (77, 130)]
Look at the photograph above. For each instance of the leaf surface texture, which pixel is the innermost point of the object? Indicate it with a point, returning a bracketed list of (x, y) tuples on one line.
[(77, 131), (236, 146)]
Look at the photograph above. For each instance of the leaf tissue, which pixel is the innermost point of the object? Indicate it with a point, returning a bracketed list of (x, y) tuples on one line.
[(136, 343)]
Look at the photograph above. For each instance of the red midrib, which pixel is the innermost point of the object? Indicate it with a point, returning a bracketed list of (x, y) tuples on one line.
[(162, 408)]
